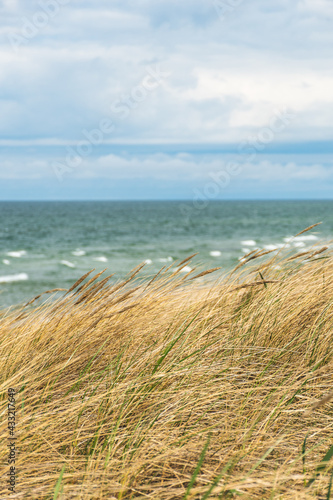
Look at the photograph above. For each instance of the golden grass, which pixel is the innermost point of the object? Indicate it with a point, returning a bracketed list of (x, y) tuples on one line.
[(178, 390)]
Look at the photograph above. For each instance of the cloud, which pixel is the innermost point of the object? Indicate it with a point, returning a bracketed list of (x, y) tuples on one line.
[(196, 168), (227, 79), (184, 167), (243, 68)]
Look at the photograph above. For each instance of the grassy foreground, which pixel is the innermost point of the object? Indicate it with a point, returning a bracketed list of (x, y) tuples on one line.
[(176, 390)]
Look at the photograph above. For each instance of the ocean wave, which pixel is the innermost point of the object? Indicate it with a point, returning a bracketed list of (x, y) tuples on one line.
[(14, 277), (148, 261), (6, 262), (246, 251), (78, 253), (215, 253), (306, 237), (67, 263), (275, 246), (186, 269), (165, 259), (18, 254), (101, 259), (248, 243)]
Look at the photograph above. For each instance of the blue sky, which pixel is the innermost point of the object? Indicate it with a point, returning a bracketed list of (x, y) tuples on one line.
[(150, 99)]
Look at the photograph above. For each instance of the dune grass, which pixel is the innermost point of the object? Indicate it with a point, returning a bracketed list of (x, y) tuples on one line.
[(176, 389)]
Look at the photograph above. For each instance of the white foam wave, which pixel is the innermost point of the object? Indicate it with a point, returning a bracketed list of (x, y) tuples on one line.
[(6, 262), (67, 263), (299, 244), (271, 247), (14, 277), (306, 237), (78, 253), (186, 269), (274, 247), (18, 254), (148, 261), (167, 259), (246, 250), (248, 243), (101, 259), (215, 253)]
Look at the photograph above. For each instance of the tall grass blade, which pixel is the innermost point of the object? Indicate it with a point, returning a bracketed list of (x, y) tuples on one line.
[(198, 467), (58, 485), (322, 466)]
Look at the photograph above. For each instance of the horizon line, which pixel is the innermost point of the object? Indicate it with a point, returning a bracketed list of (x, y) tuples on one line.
[(182, 200)]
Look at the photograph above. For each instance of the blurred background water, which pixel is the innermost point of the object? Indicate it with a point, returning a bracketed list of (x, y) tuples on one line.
[(45, 245)]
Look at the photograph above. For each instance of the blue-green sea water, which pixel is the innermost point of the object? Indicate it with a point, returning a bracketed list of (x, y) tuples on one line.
[(45, 245)]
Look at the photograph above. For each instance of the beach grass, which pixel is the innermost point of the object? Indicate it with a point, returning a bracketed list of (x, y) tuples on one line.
[(177, 388)]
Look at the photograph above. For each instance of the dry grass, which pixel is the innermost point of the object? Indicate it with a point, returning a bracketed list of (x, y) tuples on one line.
[(178, 390)]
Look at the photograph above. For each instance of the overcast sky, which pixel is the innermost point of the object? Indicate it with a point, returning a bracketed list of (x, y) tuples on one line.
[(150, 99)]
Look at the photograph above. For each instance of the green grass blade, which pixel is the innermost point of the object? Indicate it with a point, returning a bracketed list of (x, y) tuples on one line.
[(322, 465), (261, 276), (218, 479), (58, 485), (329, 488), (171, 345), (303, 451), (198, 467)]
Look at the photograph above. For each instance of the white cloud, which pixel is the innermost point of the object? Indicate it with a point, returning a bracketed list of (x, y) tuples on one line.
[(321, 7), (178, 167), (9, 5), (270, 171), (227, 80), (268, 86), (227, 77)]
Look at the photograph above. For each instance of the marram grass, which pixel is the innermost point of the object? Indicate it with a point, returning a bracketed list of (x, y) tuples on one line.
[(180, 389)]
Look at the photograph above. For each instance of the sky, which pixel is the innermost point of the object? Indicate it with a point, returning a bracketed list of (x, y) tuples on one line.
[(166, 99)]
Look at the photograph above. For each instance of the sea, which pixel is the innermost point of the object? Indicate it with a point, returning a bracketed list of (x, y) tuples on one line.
[(46, 245)]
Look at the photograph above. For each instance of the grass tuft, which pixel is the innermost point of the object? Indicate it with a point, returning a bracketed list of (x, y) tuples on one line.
[(120, 384)]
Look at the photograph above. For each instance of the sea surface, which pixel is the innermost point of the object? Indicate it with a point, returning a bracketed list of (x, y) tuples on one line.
[(46, 245)]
